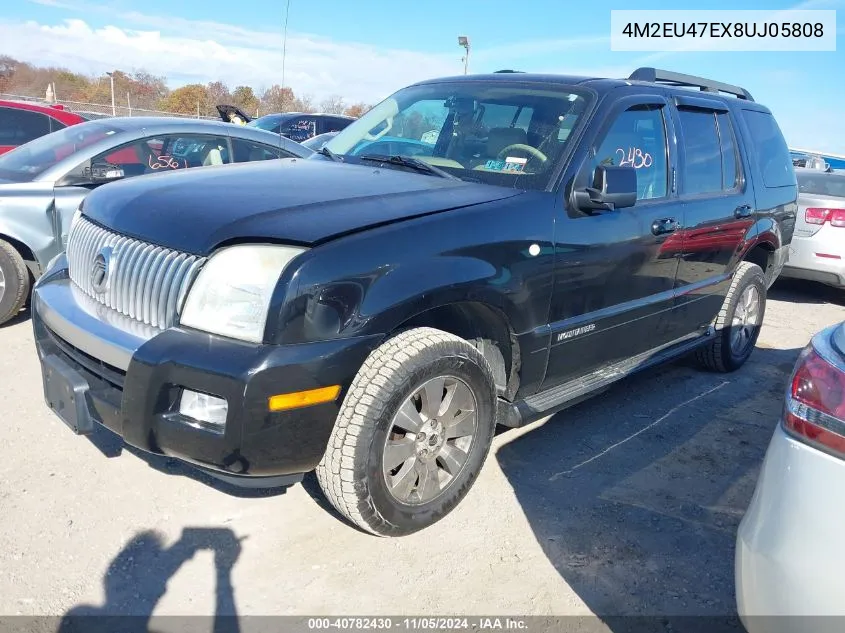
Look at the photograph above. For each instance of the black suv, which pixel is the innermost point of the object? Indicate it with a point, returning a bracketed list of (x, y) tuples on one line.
[(473, 251)]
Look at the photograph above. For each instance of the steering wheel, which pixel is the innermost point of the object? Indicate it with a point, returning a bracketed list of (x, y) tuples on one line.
[(536, 153)]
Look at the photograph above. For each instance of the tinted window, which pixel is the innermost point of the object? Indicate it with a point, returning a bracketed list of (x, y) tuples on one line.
[(247, 151), (770, 149), (832, 185), (730, 173), (56, 125), (22, 126), (638, 139), (702, 171), (300, 129)]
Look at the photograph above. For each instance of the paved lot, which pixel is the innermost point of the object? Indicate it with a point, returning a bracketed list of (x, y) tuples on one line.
[(625, 504)]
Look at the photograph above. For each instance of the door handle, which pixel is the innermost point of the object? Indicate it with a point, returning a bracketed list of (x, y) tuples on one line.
[(664, 226), (743, 211)]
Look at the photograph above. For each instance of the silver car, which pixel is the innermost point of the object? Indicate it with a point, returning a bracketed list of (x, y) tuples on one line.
[(43, 182), (789, 563), (817, 251)]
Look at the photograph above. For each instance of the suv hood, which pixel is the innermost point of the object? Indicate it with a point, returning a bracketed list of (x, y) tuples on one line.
[(287, 200)]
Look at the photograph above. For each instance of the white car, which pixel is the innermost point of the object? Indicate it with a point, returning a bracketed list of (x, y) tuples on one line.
[(789, 552), (817, 252)]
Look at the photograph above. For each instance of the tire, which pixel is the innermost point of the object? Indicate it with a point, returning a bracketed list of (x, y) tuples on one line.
[(721, 355), (352, 472), (14, 282)]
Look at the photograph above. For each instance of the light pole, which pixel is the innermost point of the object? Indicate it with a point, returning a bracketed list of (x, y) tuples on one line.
[(463, 41), (113, 109)]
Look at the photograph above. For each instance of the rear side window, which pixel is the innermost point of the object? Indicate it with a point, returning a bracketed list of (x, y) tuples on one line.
[(21, 126), (770, 149), (730, 172), (702, 171)]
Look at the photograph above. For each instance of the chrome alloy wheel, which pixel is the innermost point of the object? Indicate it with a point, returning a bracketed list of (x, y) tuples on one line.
[(429, 440), (2, 283), (746, 318)]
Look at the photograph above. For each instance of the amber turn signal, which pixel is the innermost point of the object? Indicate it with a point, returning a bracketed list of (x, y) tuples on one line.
[(298, 399)]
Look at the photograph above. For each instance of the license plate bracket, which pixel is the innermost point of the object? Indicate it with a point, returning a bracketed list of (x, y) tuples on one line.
[(66, 393)]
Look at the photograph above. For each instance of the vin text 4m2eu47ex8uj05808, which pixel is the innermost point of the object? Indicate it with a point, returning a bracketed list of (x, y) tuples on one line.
[(473, 251)]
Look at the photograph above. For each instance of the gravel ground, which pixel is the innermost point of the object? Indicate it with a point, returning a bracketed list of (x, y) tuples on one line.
[(625, 504)]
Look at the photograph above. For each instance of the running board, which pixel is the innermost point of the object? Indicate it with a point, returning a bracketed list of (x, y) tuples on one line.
[(569, 393)]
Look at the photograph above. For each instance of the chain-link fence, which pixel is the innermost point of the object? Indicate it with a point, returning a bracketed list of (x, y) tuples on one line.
[(102, 109)]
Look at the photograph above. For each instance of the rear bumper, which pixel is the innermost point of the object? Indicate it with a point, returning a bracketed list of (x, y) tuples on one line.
[(804, 261), (788, 562), (130, 379)]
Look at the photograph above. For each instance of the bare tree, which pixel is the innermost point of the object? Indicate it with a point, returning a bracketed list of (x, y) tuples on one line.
[(333, 105)]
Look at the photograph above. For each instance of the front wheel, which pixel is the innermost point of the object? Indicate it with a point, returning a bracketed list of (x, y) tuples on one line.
[(738, 322), (412, 434), (14, 282)]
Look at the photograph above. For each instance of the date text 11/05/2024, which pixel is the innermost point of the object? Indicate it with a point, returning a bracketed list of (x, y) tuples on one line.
[(723, 29), (418, 624)]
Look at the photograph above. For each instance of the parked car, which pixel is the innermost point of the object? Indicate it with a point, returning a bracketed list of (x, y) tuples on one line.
[(373, 317), (316, 142), (300, 126), (21, 122), (817, 252), (787, 563), (43, 182)]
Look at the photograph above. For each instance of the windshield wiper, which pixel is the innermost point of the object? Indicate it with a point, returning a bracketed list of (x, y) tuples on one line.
[(414, 163), (325, 151)]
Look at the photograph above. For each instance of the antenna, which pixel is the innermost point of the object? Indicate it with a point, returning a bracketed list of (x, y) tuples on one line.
[(284, 57)]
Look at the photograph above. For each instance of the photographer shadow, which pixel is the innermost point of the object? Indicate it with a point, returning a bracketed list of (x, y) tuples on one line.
[(137, 578)]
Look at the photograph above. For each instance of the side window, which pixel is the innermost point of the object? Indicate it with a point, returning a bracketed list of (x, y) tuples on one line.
[(247, 151), (702, 170), (21, 126), (166, 153), (770, 149), (730, 162), (637, 139)]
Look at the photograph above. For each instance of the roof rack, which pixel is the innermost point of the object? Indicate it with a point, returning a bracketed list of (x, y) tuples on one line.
[(655, 75), (510, 71)]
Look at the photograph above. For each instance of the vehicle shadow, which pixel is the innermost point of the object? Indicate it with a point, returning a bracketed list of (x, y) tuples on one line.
[(800, 291), (635, 497), (137, 579), (21, 317), (112, 445)]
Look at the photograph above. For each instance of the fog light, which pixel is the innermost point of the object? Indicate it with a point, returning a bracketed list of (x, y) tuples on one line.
[(204, 408)]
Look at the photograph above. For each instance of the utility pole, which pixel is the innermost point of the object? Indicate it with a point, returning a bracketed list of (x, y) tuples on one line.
[(463, 41), (113, 108)]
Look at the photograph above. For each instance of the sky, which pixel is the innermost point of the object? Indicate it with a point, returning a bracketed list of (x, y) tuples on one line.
[(366, 50)]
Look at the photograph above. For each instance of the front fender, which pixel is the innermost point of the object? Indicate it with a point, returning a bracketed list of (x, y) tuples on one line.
[(372, 282), (28, 220)]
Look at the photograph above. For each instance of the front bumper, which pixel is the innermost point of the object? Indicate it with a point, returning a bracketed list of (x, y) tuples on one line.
[(103, 368), (788, 561)]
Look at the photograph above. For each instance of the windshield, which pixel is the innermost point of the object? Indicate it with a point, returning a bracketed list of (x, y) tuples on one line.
[(497, 132), (30, 160), (268, 122), (832, 185)]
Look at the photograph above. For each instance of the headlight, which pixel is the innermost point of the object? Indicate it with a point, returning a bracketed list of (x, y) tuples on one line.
[(231, 295)]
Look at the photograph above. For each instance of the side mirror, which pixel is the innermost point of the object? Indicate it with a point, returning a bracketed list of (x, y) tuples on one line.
[(104, 172), (613, 188)]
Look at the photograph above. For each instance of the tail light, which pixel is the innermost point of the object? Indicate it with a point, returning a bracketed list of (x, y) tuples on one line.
[(815, 405), (821, 215)]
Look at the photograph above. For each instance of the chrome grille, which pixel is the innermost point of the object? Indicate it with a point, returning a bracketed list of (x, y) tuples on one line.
[(145, 282)]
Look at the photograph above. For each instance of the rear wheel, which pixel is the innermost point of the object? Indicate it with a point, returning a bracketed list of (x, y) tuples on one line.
[(412, 434), (738, 322), (14, 282)]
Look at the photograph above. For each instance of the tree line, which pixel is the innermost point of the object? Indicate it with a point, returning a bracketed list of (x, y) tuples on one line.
[(143, 90)]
